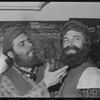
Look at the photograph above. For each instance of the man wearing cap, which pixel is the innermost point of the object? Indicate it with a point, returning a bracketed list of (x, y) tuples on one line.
[(19, 79), (83, 77)]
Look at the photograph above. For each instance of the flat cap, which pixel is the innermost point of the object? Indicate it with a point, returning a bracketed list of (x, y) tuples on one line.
[(74, 25), (11, 34)]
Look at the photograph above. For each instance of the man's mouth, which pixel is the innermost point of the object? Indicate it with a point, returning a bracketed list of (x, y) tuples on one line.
[(31, 51), (70, 51)]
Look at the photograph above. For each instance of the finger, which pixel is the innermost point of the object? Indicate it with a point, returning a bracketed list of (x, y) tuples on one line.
[(64, 74), (62, 77), (47, 67), (61, 70), (57, 80), (35, 70), (61, 74)]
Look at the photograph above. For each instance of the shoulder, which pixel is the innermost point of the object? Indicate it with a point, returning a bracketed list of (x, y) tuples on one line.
[(90, 78), (91, 72)]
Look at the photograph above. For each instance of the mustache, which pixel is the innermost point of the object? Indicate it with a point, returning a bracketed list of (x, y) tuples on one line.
[(71, 48), (31, 49)]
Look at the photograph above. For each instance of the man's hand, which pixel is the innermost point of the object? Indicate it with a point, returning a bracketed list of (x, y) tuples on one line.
[(52, 78)]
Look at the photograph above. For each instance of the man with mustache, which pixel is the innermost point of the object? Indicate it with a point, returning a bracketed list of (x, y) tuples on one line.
[(83, 77), (19, 80)]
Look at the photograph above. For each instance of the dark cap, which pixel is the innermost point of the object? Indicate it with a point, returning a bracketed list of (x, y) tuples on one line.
[(74, 25), (11, 34)]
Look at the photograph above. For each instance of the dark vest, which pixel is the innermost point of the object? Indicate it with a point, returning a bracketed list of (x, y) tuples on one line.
[(69, 87)]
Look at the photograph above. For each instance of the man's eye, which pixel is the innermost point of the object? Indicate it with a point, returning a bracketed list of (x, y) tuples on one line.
[(21, 44), (77, 38), (65, 40)]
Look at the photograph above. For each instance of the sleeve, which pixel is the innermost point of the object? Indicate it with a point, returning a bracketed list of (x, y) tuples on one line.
[(89, 83), (90, 78), (42, 89)]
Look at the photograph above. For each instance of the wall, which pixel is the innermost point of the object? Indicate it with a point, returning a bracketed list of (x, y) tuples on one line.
[(54, 11)]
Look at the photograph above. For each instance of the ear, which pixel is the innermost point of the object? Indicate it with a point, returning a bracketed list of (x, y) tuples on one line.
[(10, 54)]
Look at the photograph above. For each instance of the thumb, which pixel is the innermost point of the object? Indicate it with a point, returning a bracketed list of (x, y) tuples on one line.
[(47, 67)]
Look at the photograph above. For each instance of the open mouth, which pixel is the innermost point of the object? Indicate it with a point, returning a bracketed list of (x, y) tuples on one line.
[(31, 52), (71, 51)]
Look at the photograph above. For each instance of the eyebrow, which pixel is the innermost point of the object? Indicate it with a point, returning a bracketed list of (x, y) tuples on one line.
[(73, 36), (77, 36), (21, 42)]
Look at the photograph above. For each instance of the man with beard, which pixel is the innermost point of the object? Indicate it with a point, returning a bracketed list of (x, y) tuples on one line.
[(19, 79), (83, 77)]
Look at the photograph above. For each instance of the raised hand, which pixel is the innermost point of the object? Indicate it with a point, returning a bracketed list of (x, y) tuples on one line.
[(52, 78)]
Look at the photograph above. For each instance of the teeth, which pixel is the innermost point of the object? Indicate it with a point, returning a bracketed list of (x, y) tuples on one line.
[(30, 54)]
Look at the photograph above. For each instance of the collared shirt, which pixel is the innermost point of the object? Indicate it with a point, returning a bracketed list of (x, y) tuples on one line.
[(13, 84)]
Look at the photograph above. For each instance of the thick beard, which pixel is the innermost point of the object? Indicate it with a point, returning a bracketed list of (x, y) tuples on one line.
[(28, 62), (74, 60)]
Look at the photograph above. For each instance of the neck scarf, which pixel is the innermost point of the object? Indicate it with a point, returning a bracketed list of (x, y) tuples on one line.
[(32, 73)]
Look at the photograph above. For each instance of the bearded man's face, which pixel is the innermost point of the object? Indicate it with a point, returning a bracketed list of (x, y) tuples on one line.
[(24, 52), (75, 50)]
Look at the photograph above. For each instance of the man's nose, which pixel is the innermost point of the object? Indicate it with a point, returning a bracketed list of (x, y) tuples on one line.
[(30, 44), (70, 43)]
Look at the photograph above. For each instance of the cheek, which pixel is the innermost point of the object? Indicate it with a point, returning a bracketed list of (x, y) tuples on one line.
[(64, 44), (78, 44), (21, 51)]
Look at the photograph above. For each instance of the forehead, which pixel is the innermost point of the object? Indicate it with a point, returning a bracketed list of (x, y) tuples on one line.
[(72, 33), (20, 38)]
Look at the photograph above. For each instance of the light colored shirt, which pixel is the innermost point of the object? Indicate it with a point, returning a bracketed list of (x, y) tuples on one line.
[(90, 78)]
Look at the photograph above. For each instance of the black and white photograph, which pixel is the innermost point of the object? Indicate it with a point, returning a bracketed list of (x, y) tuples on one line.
[(50, 49)]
